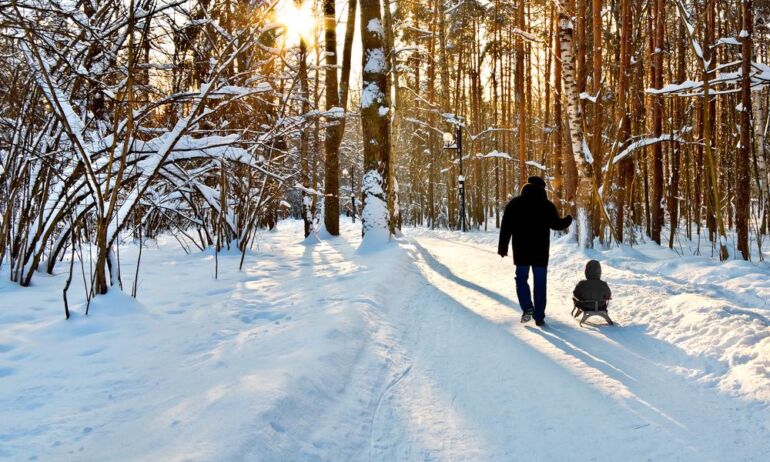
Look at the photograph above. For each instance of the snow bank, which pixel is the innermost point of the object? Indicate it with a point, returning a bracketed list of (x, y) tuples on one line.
[(239, 368)]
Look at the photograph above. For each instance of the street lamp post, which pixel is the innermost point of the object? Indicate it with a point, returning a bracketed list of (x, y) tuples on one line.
[(458, 145), (461, 178), (352, 175)]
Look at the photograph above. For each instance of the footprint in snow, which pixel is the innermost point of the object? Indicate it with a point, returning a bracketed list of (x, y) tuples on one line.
[(217, 291), (91, 351), (277, 427), (7, 371), (256, 317)]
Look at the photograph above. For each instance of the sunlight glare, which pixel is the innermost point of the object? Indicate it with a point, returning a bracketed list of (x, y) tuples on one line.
[(296, 19)]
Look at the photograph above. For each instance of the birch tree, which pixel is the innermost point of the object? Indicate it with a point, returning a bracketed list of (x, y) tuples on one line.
[(579, 147)]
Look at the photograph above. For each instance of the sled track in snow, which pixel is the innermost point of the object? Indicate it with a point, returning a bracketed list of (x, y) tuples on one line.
[(382, 394)]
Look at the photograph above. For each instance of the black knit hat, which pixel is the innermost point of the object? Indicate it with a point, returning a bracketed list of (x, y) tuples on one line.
[(537, 181)]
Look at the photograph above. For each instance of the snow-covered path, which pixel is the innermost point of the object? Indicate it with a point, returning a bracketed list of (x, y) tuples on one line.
[(315, 352), (482, 387)]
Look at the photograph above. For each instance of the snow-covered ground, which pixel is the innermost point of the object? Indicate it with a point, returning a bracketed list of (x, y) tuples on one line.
[(318, 352)]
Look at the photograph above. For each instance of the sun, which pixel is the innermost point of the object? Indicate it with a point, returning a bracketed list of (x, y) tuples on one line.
[(297, 19)]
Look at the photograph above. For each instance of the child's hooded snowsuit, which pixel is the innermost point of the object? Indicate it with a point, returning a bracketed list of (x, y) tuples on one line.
[(593, 288)]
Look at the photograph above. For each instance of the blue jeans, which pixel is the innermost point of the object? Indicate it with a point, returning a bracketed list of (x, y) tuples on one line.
[(539, 274)]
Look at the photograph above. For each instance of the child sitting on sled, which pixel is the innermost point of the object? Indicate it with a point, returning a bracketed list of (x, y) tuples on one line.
[(593, 288), (592, 295)]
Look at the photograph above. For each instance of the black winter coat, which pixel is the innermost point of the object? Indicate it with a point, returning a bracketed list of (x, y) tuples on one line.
[(593, 288), (529, 219)]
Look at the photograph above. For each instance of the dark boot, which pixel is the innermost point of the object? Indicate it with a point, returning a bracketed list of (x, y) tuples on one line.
[(526, 316)]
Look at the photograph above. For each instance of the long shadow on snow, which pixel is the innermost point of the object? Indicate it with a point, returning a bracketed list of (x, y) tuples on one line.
[(634, 339), (672, 356), (645, 407), (673, 353), (600, 356), (447, 273), (444, 271), (581, 339), (294, 418), (637, 352), (585, 357)]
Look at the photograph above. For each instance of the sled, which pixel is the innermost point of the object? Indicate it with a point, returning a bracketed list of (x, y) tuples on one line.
[(588, 308)]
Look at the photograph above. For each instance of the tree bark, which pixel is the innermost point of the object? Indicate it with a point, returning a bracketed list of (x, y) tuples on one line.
[(558, 134), (304, 139), (742, 182), (656, 203), (394, 121), (584, 166), (597, 122), (626, 167), (374, 122), (520, 99), (335, 128), (676, 154)]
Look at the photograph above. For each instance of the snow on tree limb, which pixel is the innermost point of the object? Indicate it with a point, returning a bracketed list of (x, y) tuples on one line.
[(760, 77), (631, 148)]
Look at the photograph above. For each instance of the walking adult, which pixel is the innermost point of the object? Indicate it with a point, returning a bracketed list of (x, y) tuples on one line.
[(528, 220)]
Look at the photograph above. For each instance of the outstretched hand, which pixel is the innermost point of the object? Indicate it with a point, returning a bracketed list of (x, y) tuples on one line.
[(569, 220)]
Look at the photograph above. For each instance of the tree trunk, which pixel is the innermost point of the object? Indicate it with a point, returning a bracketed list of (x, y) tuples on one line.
[(626, 167), (708, 148), (433, 119), (742, 181), (334, 130), (558, 134), (656, 203), (304, 139), (676, 154), (520, 100), (584, 166), (374, 123), (347, 53), (597, 123)]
